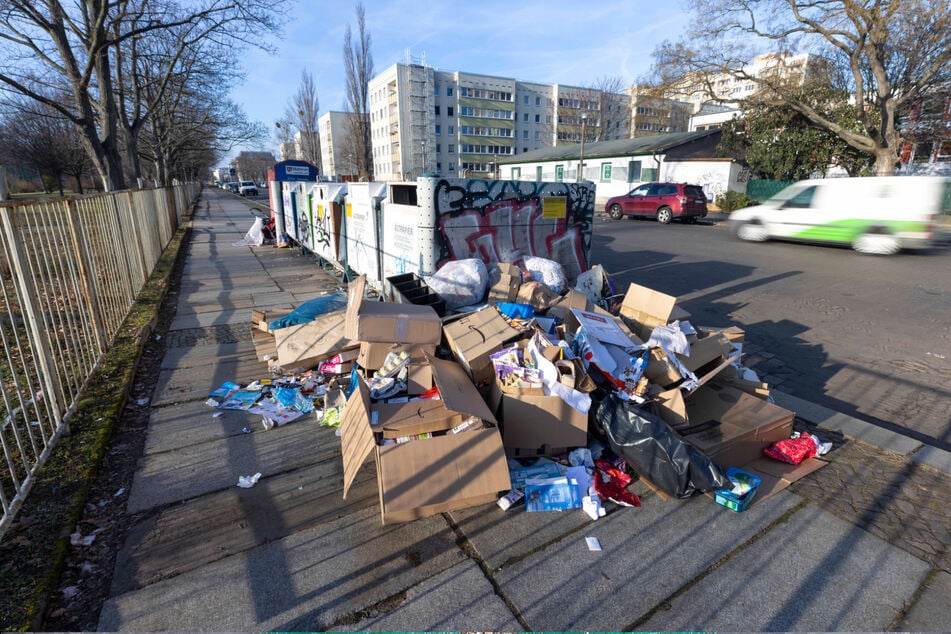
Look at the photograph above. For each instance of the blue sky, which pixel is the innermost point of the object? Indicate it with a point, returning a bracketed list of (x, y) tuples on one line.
[(554, 41)]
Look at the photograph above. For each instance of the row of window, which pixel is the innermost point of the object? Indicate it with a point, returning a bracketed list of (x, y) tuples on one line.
[(482, 93), (478, 130), (449, 110), (473, 148), (450, 129), (485, 113)]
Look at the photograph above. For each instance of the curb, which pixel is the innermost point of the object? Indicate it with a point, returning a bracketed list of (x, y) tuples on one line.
[(868, 433)]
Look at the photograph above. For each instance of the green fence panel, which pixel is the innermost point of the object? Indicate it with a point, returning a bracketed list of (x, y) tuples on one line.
[(761, 189)]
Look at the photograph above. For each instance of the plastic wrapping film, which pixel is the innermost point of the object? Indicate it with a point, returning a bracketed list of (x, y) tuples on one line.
[(656, 452)]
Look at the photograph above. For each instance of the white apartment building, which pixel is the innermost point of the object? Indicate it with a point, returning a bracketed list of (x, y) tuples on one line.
[(454, 123), (337, 160)]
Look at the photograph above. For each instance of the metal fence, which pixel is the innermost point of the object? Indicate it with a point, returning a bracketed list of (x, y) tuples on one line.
[(70, 271), (762, 189)]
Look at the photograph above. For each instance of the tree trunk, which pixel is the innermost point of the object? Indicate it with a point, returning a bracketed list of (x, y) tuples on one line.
[(884, 161)]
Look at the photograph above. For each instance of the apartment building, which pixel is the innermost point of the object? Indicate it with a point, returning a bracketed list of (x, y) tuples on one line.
[(454, 123), (337, 159)]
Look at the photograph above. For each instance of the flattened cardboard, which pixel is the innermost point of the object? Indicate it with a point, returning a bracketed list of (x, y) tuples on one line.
[(572, 299), (414, 417), (305, 345), (433, 475), (746, 424), (475, 336), (778, 475), (388, 322), (645, 308), (603, 327), (537, 295)]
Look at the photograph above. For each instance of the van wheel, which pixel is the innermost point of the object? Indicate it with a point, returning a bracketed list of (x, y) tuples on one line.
[(752, 231), (872, 243), (664, 215), (615, 211)]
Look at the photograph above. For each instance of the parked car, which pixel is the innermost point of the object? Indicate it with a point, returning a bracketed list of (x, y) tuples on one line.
[(231, 186), (248, 188), (663, 201), (878, 215)]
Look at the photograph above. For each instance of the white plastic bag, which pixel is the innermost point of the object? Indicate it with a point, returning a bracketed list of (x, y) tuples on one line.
[(548, 272), (254, 237), (460, 282)]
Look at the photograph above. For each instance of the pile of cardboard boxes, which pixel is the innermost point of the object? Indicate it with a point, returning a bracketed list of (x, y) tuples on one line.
[(447, 440)]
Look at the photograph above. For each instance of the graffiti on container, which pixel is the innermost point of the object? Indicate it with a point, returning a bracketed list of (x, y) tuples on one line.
[(505, 221)]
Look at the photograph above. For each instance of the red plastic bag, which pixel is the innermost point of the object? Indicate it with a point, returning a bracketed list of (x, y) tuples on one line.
[(611, 484), (792, 450)]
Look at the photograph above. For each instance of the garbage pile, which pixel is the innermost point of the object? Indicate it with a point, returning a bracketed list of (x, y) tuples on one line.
[(511, 386)]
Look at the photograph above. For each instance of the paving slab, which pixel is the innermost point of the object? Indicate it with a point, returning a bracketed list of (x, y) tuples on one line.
[(858, 429), (305, 582), (212, 466), (193, 422), (460, 599), (180, 385), (816, 573), (185, 536), (501, 537), (214, 318), (208, 355), (647, 553), (934, 458), (931, 613)]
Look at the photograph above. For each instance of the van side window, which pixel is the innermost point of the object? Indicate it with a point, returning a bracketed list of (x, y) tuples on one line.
[(802, 200)]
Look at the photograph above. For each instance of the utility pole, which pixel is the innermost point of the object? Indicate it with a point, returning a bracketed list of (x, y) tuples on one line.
[(584, 120)]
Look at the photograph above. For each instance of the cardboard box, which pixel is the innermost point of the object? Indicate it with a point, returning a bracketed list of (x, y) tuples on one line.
[(433, 475), (474, 336), (387, 322), (744, 425), (260, 318), (534, 422), (373, 354), (709, 357), (306, 345), (643, 308), (537, 295), (264, 345), (506, 288)]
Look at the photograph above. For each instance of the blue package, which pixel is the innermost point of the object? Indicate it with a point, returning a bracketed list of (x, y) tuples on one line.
[(310, 310), (556, 494), (516, 311)]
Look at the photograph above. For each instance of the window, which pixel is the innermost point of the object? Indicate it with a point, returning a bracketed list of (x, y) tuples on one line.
[(559, 173), (538, 173), (516, 173), (452, 130), (524, 149), (538, 102), (436, 89), (802, 200), (524, 134), (449, 92), (452, 167), (438, 166), (439, 147), (525, 117), (525, 101), (538, 136), (449, 110), (452, 148), (605, 172), (437, 110), (538, 118), (438, 128), (633, 171)]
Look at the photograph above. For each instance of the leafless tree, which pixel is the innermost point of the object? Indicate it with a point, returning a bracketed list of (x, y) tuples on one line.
[(300, 119), (889, 53), (254, 165), (614, 106), (358, 63), (77, 48)]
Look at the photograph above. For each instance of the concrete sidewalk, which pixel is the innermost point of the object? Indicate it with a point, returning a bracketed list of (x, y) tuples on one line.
[(290, 554)]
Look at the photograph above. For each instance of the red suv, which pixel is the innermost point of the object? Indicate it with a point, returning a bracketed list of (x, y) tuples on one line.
[(664, 201)]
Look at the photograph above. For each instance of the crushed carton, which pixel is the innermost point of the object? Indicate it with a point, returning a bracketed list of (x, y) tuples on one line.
[(373, 354), (505, 288), (537, 295), (474, 336), (643, 308), (307, 344), (444, 472), (388, 322)]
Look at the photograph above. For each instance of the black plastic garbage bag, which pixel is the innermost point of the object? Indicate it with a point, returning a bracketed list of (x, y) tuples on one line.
[(656, 452)]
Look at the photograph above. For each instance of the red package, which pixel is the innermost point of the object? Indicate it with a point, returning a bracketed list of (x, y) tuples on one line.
[(792, 450), (611, 484)]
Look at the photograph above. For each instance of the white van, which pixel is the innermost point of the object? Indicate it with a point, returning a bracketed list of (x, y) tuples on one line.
[(873, 215)]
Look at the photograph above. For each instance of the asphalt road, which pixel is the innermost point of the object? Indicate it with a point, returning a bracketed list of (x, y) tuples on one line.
[(863, 335)]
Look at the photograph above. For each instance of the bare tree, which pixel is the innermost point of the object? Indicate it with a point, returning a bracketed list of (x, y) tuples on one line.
[(888, 54), (48, 45), (358, 63), (614, 106), (301, 115)]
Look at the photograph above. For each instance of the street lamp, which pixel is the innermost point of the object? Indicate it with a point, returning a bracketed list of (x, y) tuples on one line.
[(584, 120)]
